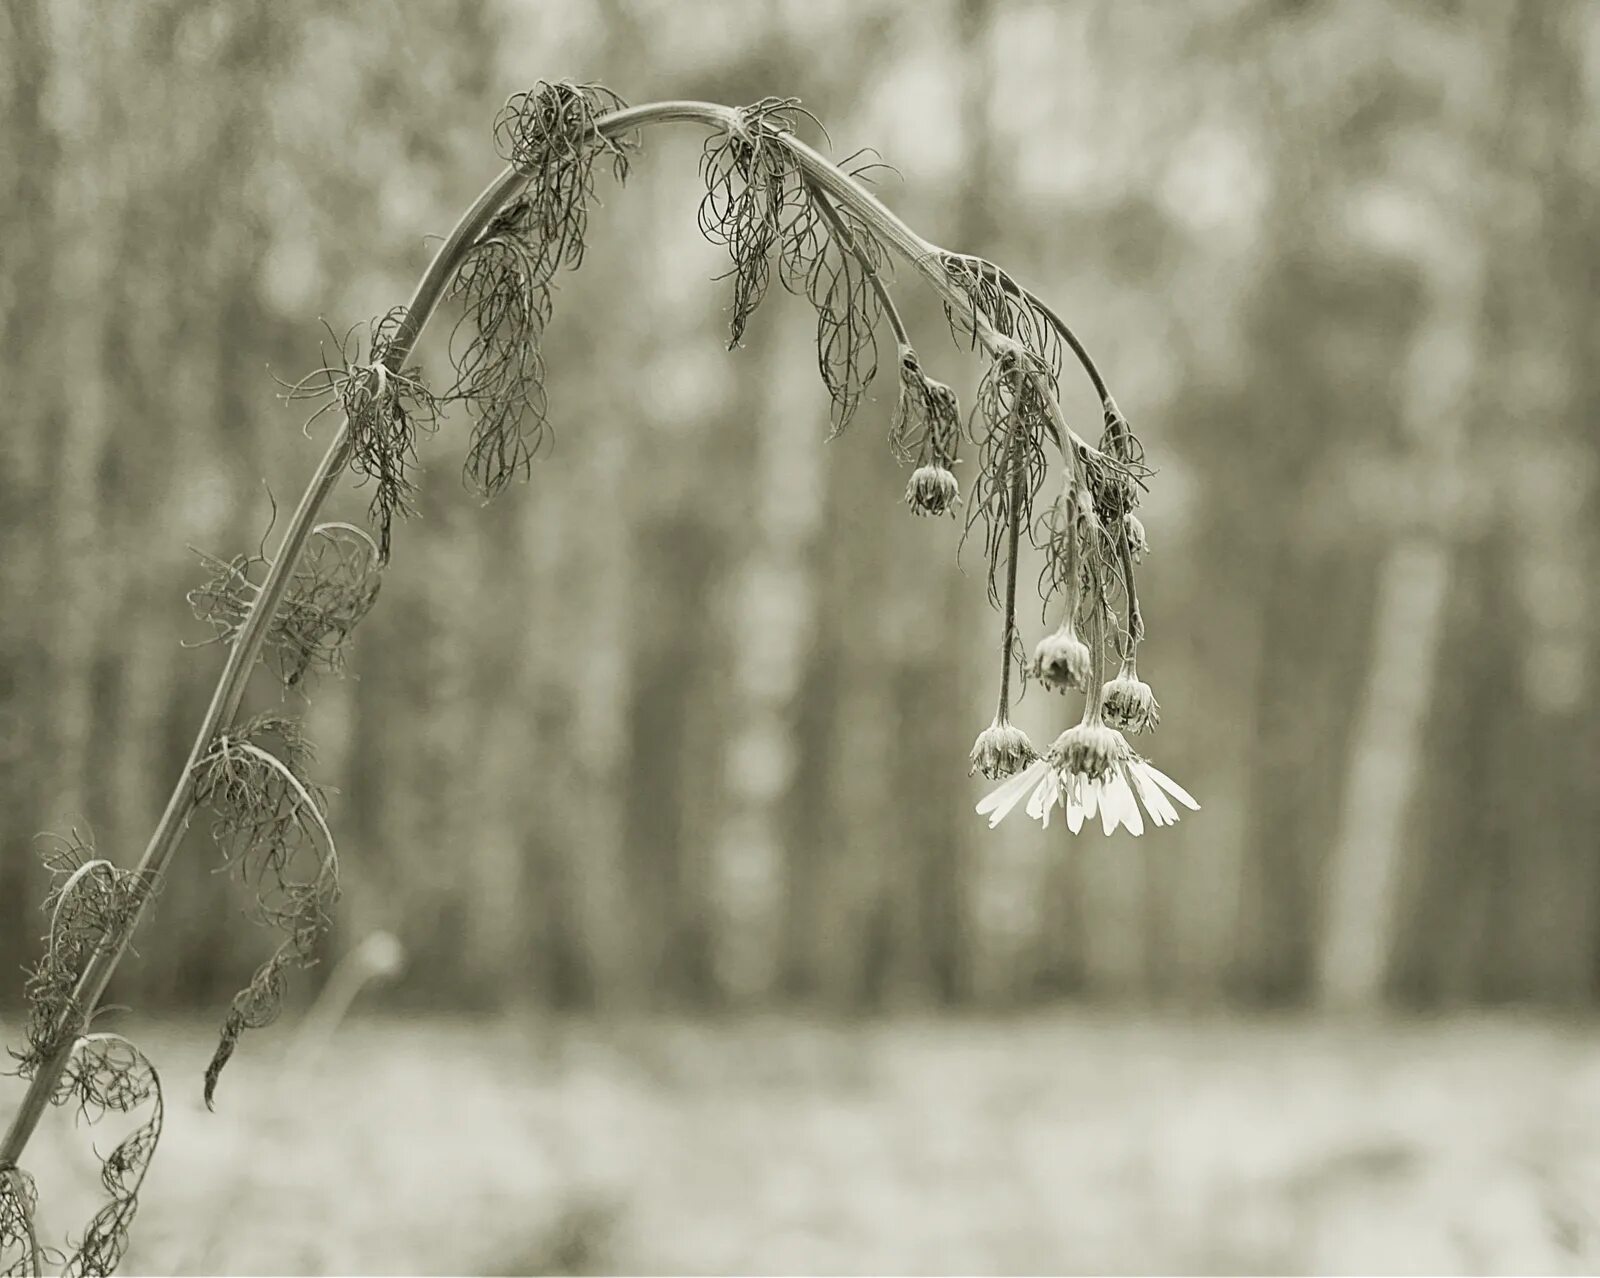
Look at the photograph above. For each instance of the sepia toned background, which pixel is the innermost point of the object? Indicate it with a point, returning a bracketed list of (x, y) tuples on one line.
[(656, 766)]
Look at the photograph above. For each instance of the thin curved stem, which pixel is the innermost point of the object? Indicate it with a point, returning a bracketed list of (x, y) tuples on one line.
[(836, 184), (1067, 335), (1014, 482), (841, 233), (242, 655), (1135, 630)]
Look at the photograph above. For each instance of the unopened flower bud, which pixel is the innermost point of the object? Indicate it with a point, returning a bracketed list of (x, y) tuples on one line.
[(1127, 702), (1062, 661), (1001, 750), (933, 490)]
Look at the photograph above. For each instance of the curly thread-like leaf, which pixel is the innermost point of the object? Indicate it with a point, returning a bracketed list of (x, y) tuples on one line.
[(334, 586), (386, 409), (926, 427), (755, 203), (269, 823), (504, 285), (91, 903), (20, 1255), (1008, 426), (108, 1074), (834, 259)]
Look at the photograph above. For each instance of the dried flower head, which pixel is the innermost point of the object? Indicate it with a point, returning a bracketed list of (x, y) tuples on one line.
[(1062, 660), (1127, 701), (1000, 750), (1090, 750), (933, 490)]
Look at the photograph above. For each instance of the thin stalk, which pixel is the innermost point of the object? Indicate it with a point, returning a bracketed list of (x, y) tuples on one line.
[(1014, 481), (236, 672), (841, 233), (1067, 335), (1135, 631)]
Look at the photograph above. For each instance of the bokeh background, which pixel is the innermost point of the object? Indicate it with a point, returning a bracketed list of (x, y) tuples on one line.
[(655, 767)]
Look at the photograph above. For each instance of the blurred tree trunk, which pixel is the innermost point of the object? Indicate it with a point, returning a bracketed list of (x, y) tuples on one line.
[(1307, 653), (1502, 902), (1539, 344), (29, 159), (672, 759), (204, 390), (928, 629), (774, 612), (1388, 745)]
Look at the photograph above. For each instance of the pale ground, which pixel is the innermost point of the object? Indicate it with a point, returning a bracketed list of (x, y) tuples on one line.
[(1056, 1143)]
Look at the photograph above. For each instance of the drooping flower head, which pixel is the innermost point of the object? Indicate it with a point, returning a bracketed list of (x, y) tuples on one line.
[(1062, 660), (1090, 770), (1128, 702), (1001, 750), (933, 490)]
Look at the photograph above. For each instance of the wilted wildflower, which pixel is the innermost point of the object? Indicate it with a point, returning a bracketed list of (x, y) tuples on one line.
[(1128, 702), (1062, 660), (1090, 770), (1001, 749), (933, 490)]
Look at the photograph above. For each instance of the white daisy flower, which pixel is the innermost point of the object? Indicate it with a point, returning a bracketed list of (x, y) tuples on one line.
[(1090, 771)]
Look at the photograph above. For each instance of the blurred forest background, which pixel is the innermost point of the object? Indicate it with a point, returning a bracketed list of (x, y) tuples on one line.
[(681, 726), (683, 722)]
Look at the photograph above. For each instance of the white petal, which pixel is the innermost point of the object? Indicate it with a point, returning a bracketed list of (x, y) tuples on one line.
[(1173, 788), (1052, 786), (1005, 796), (1074, 807), (1090, 790), (1045, 797), (1130, 809), (1110, 816), (1161, 810)]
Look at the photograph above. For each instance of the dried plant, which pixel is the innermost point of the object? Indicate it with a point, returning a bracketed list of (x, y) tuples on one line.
[(503, 281), (384, 409), (268, 821), (333, 588), (20, 1253), (777, 204), (106, 1074)]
